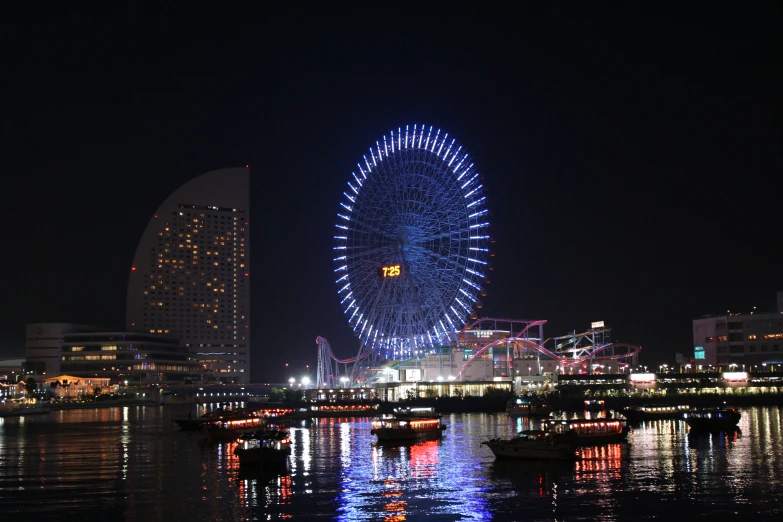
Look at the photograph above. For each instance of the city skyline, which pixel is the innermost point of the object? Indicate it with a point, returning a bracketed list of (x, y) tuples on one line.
[(629, 156)]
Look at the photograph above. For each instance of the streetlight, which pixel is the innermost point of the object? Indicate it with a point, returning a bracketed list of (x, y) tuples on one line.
[(291, 381), (305, 381), (528, 371), (343, 380)]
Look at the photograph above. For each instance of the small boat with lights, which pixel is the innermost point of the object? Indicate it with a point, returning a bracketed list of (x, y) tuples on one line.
[(713, 419), (525, 407), (20, 408), (595, 405), (587, 432), (531, 445), (336, 410), (263, 447), (654, 412), (406, 424), (231, 428)]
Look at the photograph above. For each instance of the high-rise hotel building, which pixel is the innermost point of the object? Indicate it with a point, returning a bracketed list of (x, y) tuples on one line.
[(190, 276)]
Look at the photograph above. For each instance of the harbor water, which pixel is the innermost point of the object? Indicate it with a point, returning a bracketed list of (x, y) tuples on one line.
[(133, 463)]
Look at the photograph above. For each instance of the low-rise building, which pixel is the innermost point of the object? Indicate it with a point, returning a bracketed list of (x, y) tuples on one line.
[(740, 341)]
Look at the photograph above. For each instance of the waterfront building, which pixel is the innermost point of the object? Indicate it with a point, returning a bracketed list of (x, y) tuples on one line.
[(132, 359), (739, 341), (190, 276), (72, 387), (10, 370), (43, 346), (93, 352)]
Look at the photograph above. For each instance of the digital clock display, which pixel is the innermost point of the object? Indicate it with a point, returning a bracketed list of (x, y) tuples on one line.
[(390, 271)]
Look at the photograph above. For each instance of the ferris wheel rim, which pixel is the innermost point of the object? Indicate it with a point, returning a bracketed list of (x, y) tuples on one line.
[(418, 202)]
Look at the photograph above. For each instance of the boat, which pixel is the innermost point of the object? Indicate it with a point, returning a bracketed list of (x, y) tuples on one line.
[(654, 412), (408, 424), (587, 432), (336, 410), (231, 428), (16, 408), (522, 406), (595, 405), (264, 447), (531, 445), (188, 423), (713, 419)]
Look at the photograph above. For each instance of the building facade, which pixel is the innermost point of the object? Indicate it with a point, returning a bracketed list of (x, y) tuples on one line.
[(739, 341), (129, 358), (43, 346), (190, 276), (91, 352)]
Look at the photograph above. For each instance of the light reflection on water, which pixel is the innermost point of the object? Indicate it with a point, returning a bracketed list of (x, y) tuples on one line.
[(133, 463)]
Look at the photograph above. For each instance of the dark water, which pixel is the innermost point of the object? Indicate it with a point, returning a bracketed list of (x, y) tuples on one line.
[(132, 463)]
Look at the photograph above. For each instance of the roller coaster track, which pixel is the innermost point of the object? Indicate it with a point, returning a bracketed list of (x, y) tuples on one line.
[(603, 351), (328, 373)]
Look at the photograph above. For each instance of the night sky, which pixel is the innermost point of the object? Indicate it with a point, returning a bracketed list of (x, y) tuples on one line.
[(632, 155)]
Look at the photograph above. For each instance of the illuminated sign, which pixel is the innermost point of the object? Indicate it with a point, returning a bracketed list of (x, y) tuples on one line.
[(698, 352), (597, 324), (735, 376), (390, 271), (642, 377)]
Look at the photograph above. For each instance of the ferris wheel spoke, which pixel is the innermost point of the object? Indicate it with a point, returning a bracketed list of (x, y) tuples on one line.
[(415, 201)]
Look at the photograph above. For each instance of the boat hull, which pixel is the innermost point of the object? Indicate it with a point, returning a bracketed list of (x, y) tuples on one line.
[(711, 421), (654, 413), (397, 434), (190, 424), (20, 412)]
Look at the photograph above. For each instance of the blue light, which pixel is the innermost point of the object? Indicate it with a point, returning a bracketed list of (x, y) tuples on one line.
[(385, 325), (468, 182)]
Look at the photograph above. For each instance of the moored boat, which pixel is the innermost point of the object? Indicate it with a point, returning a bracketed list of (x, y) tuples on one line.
[(713, 419), (531, 445), (189, 423), (655, 412), (320, 411), (524, 407), (264, 447), (595, 405), (408, 424), (231, 428), (587, 432), (22, 409)]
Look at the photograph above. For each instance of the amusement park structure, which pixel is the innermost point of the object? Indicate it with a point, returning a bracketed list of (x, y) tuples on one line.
[(412, 261), (504, 339)]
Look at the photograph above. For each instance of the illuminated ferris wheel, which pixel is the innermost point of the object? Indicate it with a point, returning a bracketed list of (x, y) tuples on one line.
[(412, 243)]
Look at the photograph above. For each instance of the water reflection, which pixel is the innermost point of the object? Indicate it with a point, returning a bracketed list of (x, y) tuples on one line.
[(266, 491), (129, 463)]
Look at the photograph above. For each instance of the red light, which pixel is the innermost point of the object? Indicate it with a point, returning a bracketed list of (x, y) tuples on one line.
[(247, 275), (133, 324), (155, 216), (133, 269), (247, 166)]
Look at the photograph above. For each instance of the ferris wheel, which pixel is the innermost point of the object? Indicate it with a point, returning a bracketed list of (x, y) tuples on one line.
[(412, 243)]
